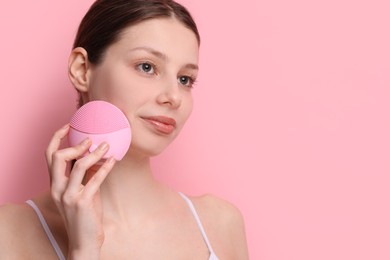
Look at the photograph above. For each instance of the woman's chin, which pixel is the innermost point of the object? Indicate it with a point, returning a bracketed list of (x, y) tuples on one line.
[(144, 152)]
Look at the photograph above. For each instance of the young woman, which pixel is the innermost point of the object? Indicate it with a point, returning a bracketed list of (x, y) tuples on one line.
[(141, 56)]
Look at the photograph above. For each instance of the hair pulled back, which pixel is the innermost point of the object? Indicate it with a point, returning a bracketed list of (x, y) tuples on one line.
[(106, 19)]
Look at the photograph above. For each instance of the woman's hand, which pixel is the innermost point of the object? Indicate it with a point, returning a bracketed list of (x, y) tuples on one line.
[(78, 203)]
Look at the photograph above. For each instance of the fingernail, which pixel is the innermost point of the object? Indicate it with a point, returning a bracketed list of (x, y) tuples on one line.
[(103, 146), (85, 141), (111, 160)]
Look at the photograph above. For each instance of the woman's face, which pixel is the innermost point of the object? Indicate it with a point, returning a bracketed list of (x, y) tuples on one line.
[(148, 74)]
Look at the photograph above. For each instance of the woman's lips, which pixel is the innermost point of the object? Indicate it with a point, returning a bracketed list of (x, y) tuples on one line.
[(162, 124)]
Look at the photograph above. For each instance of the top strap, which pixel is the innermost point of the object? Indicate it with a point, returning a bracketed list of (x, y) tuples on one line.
[(47, 230), (196, 216)]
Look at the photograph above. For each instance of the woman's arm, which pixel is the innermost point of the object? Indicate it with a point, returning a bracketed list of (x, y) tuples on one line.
[(236, 229)]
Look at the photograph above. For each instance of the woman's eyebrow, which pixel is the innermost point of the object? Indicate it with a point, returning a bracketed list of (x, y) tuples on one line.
[(162, 56), (151, 51), (191, 66)]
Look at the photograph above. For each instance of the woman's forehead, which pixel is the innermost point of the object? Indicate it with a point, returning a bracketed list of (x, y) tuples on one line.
[(162, 35)]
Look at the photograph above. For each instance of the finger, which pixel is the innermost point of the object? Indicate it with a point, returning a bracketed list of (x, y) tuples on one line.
[(60, 160), (81, 166), (94, 183), (55, 143)]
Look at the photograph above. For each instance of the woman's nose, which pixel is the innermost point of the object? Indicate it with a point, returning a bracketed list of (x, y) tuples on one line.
[(170, 95)]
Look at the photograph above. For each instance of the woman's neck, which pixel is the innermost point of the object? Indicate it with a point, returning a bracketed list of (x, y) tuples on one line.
[(130, 189)]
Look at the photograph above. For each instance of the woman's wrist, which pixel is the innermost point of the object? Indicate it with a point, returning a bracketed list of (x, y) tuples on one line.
[(83, 254)]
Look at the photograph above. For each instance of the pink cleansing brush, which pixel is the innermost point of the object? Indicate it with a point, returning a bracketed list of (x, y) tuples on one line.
[(101, 122)]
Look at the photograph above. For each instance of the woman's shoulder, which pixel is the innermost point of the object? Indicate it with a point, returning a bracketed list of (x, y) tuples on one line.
[(224, 225), (217, 209), (22, 213), (16, 224), (14, 217), (20, 230)]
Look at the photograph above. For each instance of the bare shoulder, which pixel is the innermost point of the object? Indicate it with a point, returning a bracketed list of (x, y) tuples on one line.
[(224, 224), (15, 224), (21, 233), (14, 217), (218, 210)]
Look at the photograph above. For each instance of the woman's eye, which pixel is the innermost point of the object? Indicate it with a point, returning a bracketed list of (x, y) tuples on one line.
[(186, 81), (146, 67)]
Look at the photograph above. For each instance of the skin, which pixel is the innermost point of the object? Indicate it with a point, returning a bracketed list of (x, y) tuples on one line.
[(121, 211)]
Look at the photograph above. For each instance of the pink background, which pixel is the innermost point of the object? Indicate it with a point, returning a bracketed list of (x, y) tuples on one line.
[(291, 120)]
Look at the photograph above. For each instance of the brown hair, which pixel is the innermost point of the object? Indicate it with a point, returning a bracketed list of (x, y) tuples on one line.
[(106, 19)]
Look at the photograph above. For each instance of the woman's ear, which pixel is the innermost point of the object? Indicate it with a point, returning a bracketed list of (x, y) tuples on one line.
[(79, 69)]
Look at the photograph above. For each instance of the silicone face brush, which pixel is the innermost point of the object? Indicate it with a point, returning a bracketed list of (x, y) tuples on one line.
[(101, 121)]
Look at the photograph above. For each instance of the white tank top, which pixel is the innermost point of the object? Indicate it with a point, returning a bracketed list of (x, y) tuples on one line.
[(60, 255)]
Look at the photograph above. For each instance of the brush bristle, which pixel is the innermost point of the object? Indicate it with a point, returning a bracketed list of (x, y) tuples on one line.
[(99, 117)]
